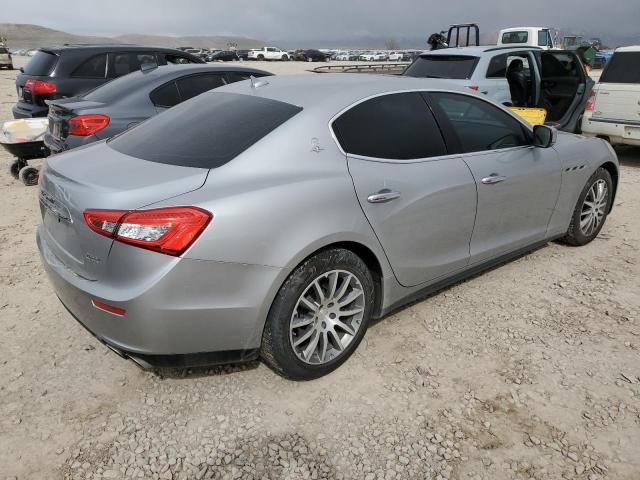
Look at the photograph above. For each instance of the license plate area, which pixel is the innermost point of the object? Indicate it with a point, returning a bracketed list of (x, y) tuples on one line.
[(632, 132)]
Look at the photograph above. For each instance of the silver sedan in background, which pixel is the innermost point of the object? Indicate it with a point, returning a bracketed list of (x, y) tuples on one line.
[(276, 217)]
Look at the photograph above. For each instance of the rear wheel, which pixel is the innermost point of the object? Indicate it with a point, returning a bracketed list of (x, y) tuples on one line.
[(319, 316), (15, 168), (591, 209), (261, 57)]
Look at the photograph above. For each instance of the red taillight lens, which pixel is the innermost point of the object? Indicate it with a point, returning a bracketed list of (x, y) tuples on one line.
[(85, 125), (166, 230), (38, 87), (473, 87), (591, 102)]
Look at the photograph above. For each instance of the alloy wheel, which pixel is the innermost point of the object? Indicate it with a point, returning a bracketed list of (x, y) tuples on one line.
[(594, 207), (327, 317)]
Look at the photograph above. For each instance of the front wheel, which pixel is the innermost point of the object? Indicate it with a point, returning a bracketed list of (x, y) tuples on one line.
[(591, 210), (319, 316), (28, 175)]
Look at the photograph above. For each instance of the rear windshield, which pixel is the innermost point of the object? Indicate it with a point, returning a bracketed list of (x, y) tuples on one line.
[(41, 64), (515, 37), (457, 67), (206, 131), (624, 67)]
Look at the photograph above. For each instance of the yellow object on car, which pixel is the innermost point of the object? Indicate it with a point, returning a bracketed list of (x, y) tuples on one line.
[(535, 116)]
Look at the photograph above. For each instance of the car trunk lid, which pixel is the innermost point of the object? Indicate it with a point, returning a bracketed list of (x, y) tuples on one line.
[(618, 101), (101, 178), (61, 111)]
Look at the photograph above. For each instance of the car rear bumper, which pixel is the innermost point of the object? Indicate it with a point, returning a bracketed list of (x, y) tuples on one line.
[(195, 309), (27, 110), (616, 131), (57, 145)]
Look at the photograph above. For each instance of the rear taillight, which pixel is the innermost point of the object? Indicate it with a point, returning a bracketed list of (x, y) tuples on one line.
[(85, 125), (591, 102), (475, 88), (166, 230), (38, 87)]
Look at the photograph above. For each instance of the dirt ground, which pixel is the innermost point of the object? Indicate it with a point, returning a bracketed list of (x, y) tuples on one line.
[(528, 371)]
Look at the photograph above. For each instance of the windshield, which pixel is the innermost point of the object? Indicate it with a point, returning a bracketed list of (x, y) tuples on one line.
[(206, 131), (457, 67)]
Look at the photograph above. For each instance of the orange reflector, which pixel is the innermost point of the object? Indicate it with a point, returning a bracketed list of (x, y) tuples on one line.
[(119, 311)]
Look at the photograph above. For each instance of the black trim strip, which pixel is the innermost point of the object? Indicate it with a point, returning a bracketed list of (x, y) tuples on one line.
[(619, 122)]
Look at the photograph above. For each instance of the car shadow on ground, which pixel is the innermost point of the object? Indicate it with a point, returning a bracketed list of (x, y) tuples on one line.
[(200, 372)]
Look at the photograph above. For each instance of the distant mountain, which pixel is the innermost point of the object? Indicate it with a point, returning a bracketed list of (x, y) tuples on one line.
[(34, 36)]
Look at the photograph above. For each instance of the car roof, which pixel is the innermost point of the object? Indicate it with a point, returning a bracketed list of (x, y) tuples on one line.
[(104, 47), (334, 91), (476, 51), (630, 48), (166, 72)]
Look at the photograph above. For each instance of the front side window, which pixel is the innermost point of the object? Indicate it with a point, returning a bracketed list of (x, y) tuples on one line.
[(395, 127), (95, 67), (477, 125), (544, 39)]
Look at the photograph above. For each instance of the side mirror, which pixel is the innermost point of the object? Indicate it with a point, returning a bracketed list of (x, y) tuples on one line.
[(21, 70), (544, 136)]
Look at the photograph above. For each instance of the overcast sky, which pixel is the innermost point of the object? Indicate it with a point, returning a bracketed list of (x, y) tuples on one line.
[(318, 20)]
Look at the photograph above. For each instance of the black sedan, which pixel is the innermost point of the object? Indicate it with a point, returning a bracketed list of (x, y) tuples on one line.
[(129, 100), (224, 56)]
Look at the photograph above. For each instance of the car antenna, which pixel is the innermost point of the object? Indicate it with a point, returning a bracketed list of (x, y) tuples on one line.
[(258, 84)]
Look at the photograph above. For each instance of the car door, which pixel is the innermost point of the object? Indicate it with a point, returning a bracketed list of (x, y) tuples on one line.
[(90, 74), (497, 76), (518, 185), (419, 200)]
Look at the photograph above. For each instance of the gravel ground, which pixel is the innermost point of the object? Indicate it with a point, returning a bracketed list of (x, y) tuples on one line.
[(528, 371)]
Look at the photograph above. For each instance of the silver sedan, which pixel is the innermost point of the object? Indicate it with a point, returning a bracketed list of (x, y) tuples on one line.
[(276, 217)]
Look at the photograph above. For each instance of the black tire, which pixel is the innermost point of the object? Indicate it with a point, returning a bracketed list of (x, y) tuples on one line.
[(276, 349), (260, 58), (575, 236), (15, 168), (284, 58), (29, 175)]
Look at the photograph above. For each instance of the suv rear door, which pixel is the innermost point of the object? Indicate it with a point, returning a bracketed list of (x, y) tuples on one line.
[(565, 87), (618, 96)]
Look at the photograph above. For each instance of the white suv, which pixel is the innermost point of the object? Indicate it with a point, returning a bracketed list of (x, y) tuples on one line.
[(613, 110)]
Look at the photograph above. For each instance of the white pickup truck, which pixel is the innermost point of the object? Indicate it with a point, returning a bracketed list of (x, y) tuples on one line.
[(267, 53), (526, 37)]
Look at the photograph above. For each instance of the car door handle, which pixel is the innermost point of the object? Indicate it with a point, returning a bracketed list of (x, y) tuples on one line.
[(383, 196), (493, 178)]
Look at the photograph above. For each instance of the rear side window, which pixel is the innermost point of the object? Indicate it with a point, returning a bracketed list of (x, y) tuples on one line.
[(195, 85), (624, 67), (477, 125), (239, 76), (166, 96), (41, 64), (126, 62), (459, 67), (95, 67), (206, 132), (499, 64), (515, 37), (397, 126)]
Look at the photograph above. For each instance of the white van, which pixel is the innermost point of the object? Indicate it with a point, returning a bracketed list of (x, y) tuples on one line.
[(613, 110), (526, 37)]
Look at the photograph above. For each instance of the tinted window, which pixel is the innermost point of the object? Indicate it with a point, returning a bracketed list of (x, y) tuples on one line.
[(95, 67), (515, 37), (478, 125), (118, 88), (41, 64), (559, 65), (624, 67), (140, 59), (127, 62), (3, 50), (195, 85), (443, 66), (499, 64), (166, 96), (206, 132), (398, 126), (239, 76)]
